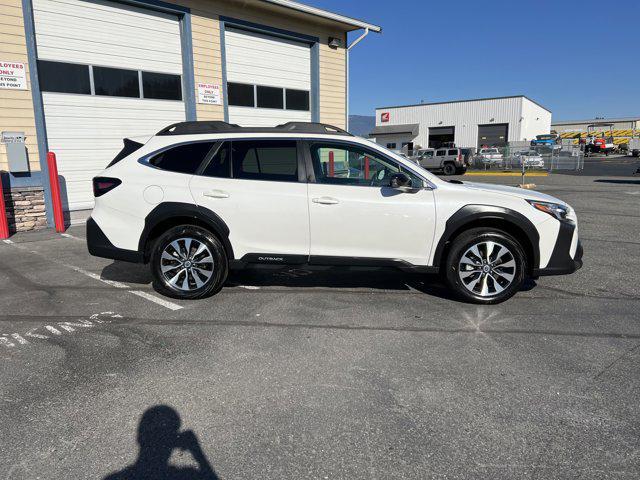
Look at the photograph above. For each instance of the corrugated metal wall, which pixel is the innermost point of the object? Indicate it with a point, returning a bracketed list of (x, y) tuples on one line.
[(465, 117)]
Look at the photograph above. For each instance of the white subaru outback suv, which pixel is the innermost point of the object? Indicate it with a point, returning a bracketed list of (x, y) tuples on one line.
[(199, 198)]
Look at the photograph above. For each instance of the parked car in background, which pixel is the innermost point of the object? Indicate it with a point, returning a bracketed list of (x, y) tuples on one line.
[(449, 161), (489, 157), (529, 158), (633, 148), (550, 140)]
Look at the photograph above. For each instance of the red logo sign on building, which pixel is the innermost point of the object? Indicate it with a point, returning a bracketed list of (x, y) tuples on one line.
[(384, 117)]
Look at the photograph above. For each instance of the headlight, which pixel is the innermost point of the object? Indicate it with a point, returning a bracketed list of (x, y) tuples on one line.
[(556, 210)]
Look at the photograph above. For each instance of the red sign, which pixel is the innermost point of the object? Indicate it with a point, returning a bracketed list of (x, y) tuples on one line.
[(384, 117)]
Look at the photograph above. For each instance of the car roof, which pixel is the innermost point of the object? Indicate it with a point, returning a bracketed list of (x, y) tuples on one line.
[(213, 127)]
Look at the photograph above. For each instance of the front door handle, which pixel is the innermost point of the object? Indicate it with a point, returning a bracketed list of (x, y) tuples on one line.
[(326, 200), (216, 194)]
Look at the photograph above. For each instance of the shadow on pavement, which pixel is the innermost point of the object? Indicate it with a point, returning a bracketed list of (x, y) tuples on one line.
[(158, 436), (318, 277), (623, 182)]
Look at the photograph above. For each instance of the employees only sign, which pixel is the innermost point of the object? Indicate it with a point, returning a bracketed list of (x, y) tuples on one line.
[(209, 93), (13, 76)]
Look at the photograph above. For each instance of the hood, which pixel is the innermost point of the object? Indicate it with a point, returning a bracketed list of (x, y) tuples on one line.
[(513, 191)]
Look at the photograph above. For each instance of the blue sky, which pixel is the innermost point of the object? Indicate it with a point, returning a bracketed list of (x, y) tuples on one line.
[(580, 59)]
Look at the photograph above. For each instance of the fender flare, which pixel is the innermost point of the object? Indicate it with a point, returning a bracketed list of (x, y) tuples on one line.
[(168, 210), (474, 213)]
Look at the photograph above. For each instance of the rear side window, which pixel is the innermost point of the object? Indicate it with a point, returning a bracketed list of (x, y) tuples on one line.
[(183, 158), (265, 160), (220, 165), (453, 152), (441, 153)]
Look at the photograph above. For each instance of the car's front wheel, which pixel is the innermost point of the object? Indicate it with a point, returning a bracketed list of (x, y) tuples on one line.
[(485, 265), (188, 262)]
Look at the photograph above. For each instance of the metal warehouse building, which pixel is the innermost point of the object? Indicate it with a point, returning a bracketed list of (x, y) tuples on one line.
[(467, 123), (76, 76)]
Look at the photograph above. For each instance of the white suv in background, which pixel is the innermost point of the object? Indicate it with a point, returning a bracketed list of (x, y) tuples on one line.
[(200, 197)]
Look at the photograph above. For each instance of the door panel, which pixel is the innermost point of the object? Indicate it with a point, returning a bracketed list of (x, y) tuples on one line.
[(264, 205), (353, 213), (373, 222)]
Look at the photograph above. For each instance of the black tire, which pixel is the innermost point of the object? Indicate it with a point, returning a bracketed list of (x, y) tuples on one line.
[(218, 268), (461, 171), (497, 278), (449, 169)]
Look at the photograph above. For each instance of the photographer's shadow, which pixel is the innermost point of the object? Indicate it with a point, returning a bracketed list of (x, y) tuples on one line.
[(158, 436)]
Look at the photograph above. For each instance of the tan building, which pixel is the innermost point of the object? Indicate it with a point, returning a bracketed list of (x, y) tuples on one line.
[(77, 76)]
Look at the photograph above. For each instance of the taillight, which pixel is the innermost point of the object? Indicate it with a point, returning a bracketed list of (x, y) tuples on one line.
[(102, 185)]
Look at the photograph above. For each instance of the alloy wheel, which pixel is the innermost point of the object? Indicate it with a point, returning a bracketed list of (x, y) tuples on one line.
[(186, 264), (487, 268)]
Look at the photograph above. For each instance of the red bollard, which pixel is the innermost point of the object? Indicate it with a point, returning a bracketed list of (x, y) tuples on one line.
[(332, 165), (56, 199), (4, 223), (366, 168)]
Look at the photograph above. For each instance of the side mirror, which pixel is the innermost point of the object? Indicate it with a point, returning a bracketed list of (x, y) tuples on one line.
[(400, 181)]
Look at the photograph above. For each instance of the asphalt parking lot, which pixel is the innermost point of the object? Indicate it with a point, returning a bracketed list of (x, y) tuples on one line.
[(325, 373)]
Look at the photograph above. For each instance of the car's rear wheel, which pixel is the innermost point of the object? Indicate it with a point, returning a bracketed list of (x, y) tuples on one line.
[(188, 262), (485, 265), (449, 169)]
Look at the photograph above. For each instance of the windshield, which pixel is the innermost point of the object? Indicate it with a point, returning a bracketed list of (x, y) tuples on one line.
[(490, 150)]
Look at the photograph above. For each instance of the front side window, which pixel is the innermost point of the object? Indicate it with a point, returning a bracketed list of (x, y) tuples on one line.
[(271, 160), (353, 165), (453, 152), (185, 158), (116, 82), (441, 153)]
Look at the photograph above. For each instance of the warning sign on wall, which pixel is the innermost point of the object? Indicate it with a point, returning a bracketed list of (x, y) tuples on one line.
[(13, 76), (209, 93)]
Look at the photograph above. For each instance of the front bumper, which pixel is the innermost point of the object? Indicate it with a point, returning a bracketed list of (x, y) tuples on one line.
[(561, 262), (100, 246)]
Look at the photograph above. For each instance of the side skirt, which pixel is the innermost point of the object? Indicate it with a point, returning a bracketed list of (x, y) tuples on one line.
[(280, 259)]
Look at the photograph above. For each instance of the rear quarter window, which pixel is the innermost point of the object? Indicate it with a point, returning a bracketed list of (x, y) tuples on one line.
[(185, 158)]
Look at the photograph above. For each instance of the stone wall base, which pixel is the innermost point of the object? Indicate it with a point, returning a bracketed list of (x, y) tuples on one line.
[(25, 208)]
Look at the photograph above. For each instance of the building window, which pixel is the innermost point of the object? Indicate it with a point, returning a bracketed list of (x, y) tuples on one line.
[(391, 145), (269, 97), (240, 95), (116, 82), (297, 100), (64, 77), (161, 86)]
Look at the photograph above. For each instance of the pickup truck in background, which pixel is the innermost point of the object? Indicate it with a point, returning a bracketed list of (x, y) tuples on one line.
[(450, 161)]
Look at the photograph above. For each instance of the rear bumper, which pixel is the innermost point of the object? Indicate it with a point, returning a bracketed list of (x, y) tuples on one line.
[(561, 261), (100, 246)]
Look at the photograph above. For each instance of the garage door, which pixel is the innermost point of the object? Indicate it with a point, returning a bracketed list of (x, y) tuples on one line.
[(106, 71), (493, 135), (268, 79)]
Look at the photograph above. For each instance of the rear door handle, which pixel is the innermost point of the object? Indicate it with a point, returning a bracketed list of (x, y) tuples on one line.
[(216, 194), (326, 200)]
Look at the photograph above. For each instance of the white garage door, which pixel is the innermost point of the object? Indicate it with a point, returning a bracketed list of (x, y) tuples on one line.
[(268, 79), (106, 71)]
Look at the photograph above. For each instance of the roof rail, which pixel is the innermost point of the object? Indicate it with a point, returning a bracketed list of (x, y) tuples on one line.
[(201, 127)]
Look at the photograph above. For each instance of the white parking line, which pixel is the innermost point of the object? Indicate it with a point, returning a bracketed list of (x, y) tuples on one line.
[(112, 283), (68, 235), (8, 241), (159, 301)]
